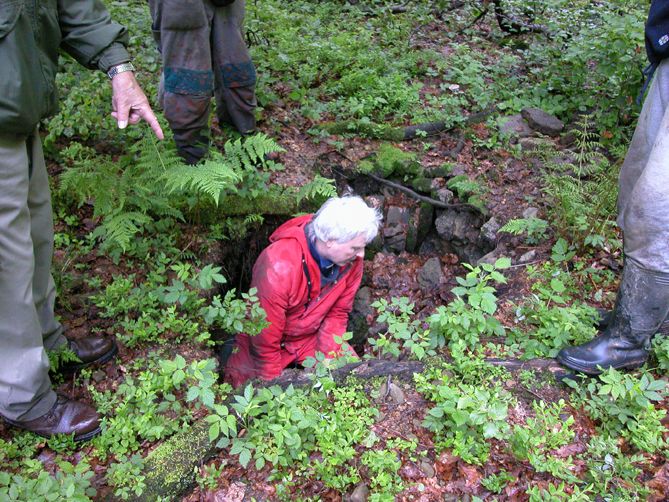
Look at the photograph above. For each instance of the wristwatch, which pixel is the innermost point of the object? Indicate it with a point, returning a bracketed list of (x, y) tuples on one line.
[(119, 68)]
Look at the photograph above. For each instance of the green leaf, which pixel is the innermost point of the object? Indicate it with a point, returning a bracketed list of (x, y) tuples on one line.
[(245, 457)]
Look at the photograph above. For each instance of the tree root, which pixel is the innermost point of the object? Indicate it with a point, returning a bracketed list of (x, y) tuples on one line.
[(424, 198)]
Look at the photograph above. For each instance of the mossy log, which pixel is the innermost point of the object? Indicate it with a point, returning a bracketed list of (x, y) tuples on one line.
[(169, 468), (404, 133)]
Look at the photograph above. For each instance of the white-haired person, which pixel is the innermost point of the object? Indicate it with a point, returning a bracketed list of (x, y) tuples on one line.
[(306, 279)]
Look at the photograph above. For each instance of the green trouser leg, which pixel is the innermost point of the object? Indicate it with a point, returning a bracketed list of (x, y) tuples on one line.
[(234, 72), (203, 52), (27, 291)]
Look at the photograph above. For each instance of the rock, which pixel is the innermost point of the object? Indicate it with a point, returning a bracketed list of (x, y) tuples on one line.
[(392, 231), (98, 376), (444, 195), (396, 244), (462, 231), (514, 125), (528, 257), (427, 468), (530, 144), (396, 393), (360, 494), (457, 225), (530, 212), (420, 224), (391, 160), (489, 258), (430, 275), (443, 171), (543, 122), (434, 245), (357, 320), (397, 216), (489, 230)]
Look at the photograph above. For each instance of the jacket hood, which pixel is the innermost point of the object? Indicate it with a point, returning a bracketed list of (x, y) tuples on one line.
[(293, 229)]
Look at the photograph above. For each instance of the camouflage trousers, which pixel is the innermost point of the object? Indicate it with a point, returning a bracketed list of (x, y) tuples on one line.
[(203, 52), (643, 196)]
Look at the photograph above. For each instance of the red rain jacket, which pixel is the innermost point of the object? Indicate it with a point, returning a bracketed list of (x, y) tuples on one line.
[(303, 318)]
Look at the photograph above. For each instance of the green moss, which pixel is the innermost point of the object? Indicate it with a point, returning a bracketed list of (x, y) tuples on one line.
[(169, 468), (390, 160), (422, 184), (366, 129)]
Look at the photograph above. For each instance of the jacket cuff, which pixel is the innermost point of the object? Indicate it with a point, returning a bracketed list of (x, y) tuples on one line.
[(111, 56)]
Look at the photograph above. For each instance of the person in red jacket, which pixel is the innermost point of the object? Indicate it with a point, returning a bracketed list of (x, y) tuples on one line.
[(306, 279)]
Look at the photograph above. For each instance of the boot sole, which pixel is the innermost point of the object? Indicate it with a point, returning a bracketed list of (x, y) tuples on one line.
[(589, 370)]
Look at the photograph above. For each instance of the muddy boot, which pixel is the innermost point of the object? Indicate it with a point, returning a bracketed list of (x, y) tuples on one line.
[(606, 317), (641, 307)]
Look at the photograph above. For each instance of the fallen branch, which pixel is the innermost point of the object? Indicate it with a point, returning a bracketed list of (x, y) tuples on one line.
[(424, 198)]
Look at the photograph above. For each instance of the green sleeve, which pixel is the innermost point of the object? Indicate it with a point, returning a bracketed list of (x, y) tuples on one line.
[(89, 34)]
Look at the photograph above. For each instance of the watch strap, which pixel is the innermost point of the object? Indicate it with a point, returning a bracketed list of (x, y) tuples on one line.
[(119, 68)]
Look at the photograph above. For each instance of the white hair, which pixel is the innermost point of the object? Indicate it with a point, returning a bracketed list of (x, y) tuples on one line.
[(341, 219)]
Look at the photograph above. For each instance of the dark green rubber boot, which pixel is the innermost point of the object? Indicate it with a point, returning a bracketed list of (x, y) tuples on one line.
[(641, 307)]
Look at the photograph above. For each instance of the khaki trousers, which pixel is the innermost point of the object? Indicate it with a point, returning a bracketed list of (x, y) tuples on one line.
[(27, 290), (643, 195)]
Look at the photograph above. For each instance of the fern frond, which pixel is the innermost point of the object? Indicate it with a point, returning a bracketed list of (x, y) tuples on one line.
[(318, 187), (119, 229), (212, 179), (248, 152)]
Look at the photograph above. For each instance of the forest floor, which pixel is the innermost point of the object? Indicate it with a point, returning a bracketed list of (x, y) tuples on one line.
[(428, 469)]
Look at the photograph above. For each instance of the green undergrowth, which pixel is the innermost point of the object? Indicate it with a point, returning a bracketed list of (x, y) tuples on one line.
[(360, 69)]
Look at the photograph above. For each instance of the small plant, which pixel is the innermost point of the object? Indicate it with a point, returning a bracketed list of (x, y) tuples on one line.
[(62, 443), (660, 351), (470, 315), (235, 315), (545, 432), (465, 416), (402, 332), (126, 477), (534, 228), (151, 183), (623, 403), (497, 482), (382, 467), (209, 476), (61, 356), (583, 203), (468, 190), (70, 482), (612, 473)]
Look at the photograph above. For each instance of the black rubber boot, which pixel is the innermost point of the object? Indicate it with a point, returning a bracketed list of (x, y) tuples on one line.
[(606, 317), (641, 307)]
